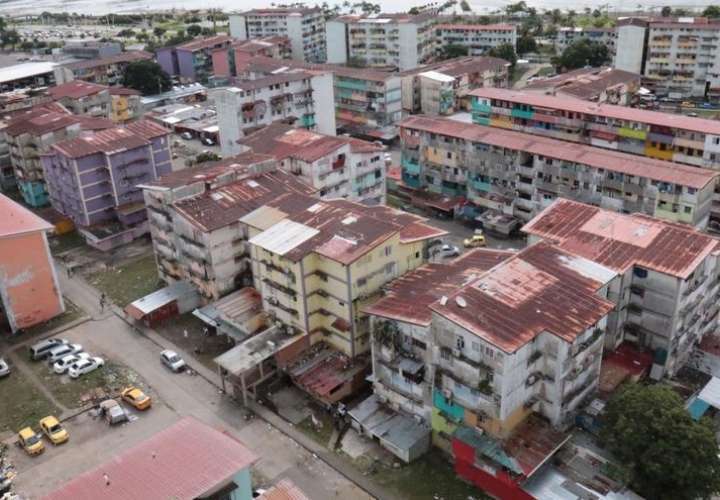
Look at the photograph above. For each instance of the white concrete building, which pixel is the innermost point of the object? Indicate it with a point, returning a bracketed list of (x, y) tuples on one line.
[(478, 38), (303, 26), (401, 41), (337, 166), (679, 57), (567, 35), (302, 98), (666, 293)]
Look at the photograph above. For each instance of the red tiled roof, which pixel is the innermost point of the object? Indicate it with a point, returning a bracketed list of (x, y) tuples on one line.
[(607, 110), (17, 219), (185, 461), (620, 241), (76, 89), (540, 289), (615, 161), (408, 297)]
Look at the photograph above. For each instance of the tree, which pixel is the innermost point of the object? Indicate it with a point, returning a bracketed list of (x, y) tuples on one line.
[(159, 32), (194, 30), (526, 44), (148, 77), (126, 33), (666, 11), (679, 12), (9, 37), (667, 455), (451, 51), (505, 51), (465, 6), (204, 157), (583, 53), (712, 11)]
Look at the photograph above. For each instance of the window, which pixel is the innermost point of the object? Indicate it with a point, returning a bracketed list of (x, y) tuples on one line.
[(460, 342), (388, 250), (475, 346), (362, 281), (389, 268), (640, 272)]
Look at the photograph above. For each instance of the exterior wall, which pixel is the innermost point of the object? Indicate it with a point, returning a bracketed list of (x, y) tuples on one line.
[(186, 64), (631, 57), (477, 41), (97, 105), (567, 36), (521, 184), (167, 60), (244, 490), (29, 288), (368, 103), (238, 28), (125, 108), (337, 47)]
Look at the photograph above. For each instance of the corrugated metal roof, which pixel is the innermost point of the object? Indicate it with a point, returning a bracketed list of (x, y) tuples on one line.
[(711, 393), (607, 110), (185, 461), (76, 89), (284, 236), (162, 297), (284, 490), (620, 241)]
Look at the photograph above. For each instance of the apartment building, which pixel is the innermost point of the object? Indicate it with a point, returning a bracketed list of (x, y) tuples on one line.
[(31, 133), (91, 49), (83, 98), (192, 61), (503, 335), (519, 174), (93, 180), (442, 88), (195, 220), (678, 57), (477, 38), (29, 289), (104, 71), (125, 104), (337, 166), (664, 136), (298, 97), (568, 35), (666, 293), (304, 27), (401, 41), (367, 101), (601, 85), (226, 61), (316, 263)]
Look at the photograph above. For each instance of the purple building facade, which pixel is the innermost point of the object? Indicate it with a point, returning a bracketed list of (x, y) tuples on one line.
[(192, 61), (93, 180)]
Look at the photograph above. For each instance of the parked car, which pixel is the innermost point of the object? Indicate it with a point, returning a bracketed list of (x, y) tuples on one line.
[(4, 368), (172, 360), (136, 398), (113, 412), (63, 350), (85, 366), (61, 365), (476, 240), (186, 135), (447, 251), (30, 441), (55, 432), (42, 349), (207, 141)]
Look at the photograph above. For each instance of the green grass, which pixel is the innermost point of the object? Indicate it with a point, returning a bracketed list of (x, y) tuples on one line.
[(72, 312), (22, 403), (104, 382), (124, 284), (545, 71), (322, 434), (65, 242), (429, 477)]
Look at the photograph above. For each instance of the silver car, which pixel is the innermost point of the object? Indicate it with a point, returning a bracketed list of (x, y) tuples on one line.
[(172, 360), (4, 368)]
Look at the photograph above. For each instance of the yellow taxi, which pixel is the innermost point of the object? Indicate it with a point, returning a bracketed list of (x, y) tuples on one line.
[(136, 398), (30, 441), (476, 240), (55, 432)]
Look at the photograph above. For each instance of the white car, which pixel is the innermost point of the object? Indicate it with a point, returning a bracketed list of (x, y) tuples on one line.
[(4, 368), (63, 350), (61, 365), (448, 251), (172, 360), (85, 366)]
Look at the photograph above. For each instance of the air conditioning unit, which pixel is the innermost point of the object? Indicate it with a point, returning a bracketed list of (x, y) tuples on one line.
[(447, 393)]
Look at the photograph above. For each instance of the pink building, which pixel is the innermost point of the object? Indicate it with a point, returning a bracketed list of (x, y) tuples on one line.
[(29, 290)]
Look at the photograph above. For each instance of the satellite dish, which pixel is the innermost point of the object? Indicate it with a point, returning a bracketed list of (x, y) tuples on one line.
[(460, 302)]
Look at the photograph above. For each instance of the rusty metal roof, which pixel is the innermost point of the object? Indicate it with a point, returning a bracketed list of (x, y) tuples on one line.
[(187, 460), (620, 241), (681, 122), (205, 43), (227, 204), (615, 161), (540, 289), (147, 129), (109, 142), (284, 490), (76, 89), (122, 57), (408, 297)]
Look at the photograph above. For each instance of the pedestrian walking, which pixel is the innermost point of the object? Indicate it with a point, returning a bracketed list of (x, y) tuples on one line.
[(102, 302)]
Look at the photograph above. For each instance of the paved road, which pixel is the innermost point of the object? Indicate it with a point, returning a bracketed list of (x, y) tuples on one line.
[(532, 70), (177, 395)]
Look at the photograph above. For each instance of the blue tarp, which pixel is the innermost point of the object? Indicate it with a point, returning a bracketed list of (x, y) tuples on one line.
[(698, 408)]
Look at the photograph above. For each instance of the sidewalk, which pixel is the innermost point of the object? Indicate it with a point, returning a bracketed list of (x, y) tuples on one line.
[(88, 298)]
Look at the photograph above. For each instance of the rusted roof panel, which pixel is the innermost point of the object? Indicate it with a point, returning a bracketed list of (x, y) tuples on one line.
[(620, 241), (540, 289), (76, 89)]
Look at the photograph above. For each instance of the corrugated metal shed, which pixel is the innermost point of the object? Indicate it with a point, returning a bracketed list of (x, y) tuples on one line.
[(181, 292), (711, 393)]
